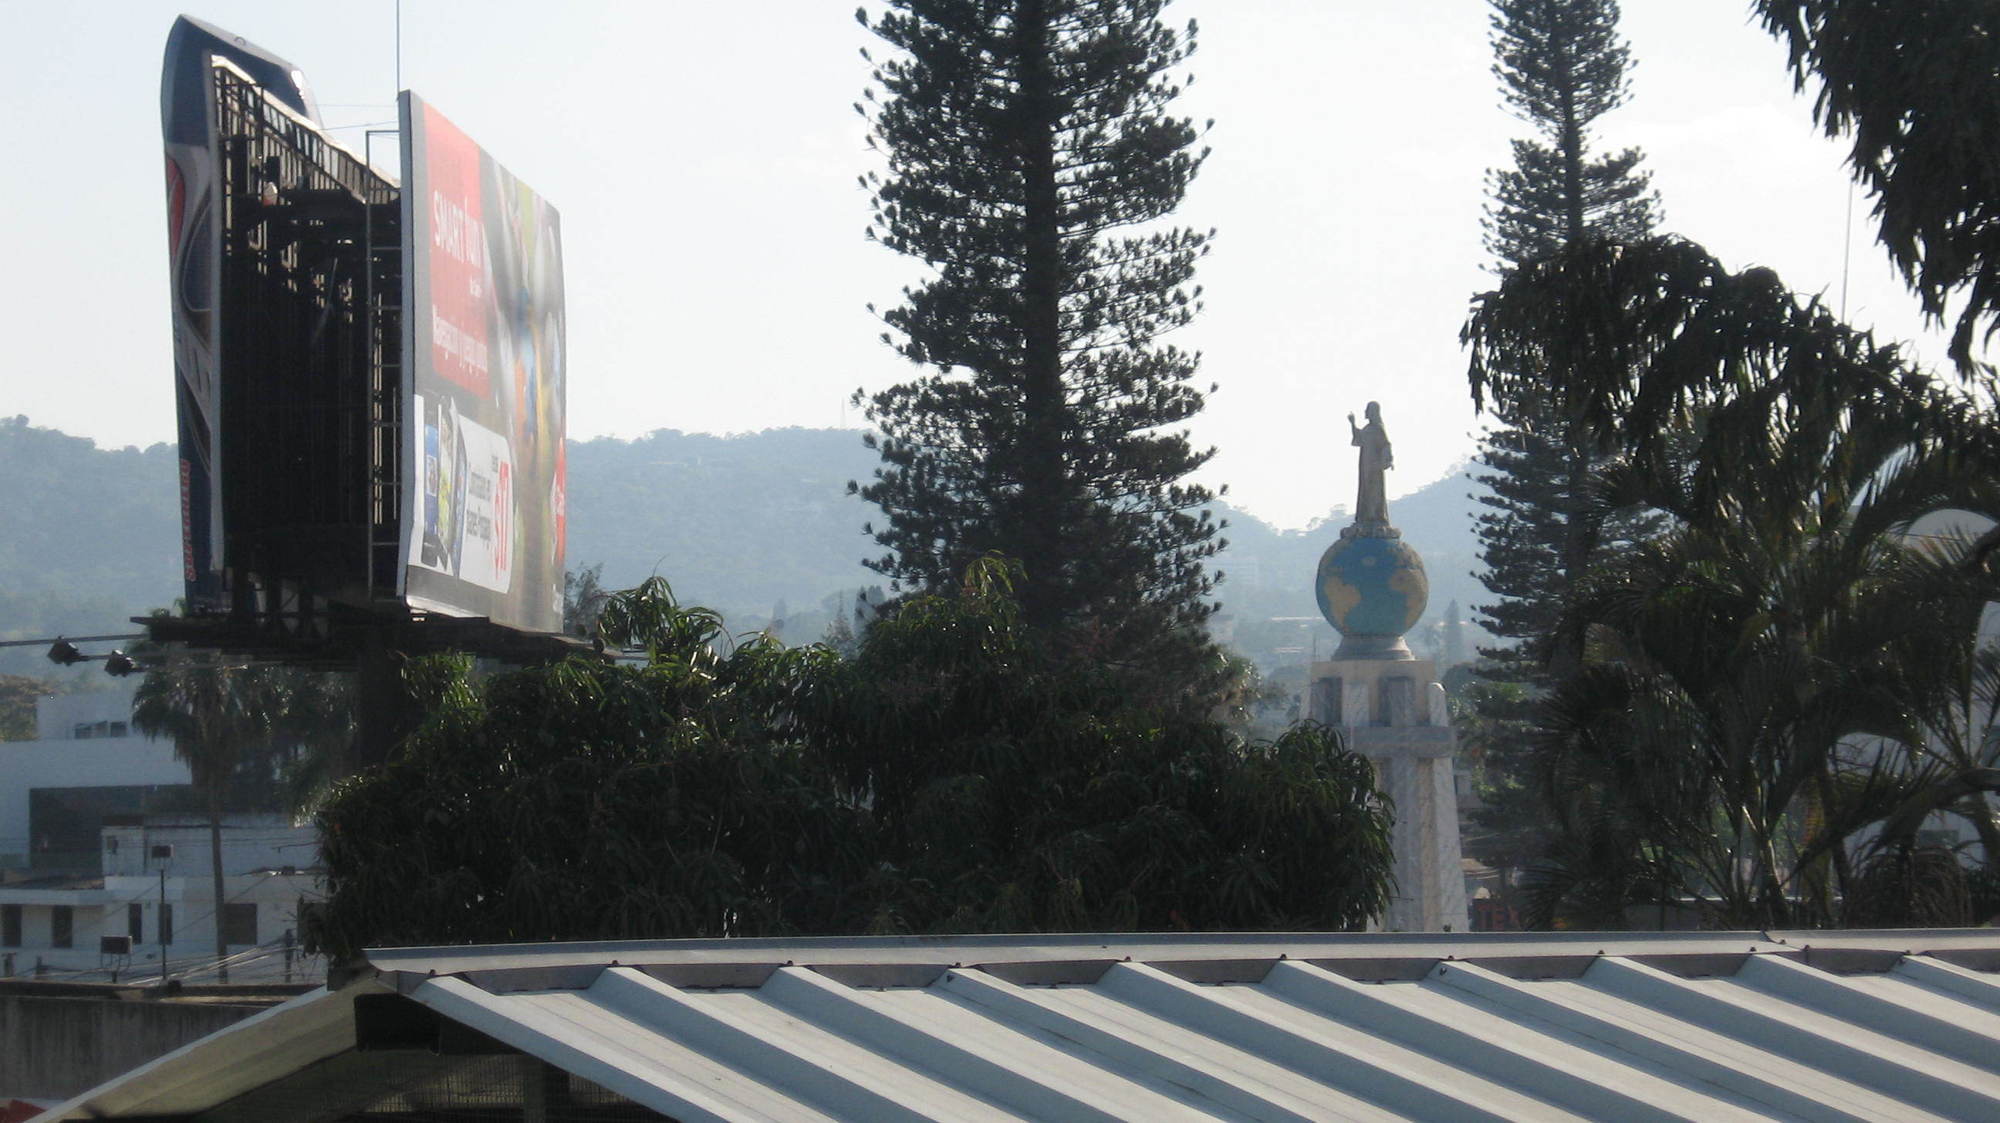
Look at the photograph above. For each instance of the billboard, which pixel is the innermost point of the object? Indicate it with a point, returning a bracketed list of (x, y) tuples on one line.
[(195, 245), (484, 330)]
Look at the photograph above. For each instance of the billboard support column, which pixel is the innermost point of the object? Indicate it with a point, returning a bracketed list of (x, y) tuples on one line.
[(385, 712)]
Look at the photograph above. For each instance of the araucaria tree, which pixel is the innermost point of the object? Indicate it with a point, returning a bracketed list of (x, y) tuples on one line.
[(1032, 164), (1561, 66)]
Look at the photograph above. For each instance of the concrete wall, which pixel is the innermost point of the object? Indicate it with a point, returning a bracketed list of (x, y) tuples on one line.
[(53, 1047)]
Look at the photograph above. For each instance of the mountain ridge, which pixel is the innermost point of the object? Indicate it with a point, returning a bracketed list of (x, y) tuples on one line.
[(759, 526)]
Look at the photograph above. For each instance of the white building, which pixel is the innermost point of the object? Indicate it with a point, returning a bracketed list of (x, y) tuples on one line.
[(86, 762), (154, 902), (96, 841)]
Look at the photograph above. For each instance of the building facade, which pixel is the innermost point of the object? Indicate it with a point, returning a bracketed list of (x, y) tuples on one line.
[(152, 910)]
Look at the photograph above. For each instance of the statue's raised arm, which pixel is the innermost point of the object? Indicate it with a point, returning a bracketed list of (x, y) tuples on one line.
[(1371, 504)]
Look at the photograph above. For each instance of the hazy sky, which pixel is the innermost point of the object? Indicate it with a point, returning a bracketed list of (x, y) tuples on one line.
[(704, 157)]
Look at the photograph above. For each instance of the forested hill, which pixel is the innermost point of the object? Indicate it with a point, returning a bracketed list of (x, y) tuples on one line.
[(745, 522), (755, 525), (738, 523), (88, 536)]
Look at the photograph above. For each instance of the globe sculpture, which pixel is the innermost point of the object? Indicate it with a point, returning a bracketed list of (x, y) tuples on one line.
[(1372, 588)]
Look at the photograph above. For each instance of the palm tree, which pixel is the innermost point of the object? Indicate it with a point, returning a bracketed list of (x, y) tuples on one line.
[(1742, 663), (313, 735), (217, 716), (1762, 683), (1960, 753)]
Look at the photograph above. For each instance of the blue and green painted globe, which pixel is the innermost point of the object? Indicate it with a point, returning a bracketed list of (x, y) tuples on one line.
[(1372, 586)]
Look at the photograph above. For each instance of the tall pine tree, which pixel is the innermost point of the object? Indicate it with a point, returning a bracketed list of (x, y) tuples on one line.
[(1032, 164), (1561, 66)]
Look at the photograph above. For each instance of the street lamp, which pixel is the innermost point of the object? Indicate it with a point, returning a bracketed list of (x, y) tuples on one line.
[(163, 852)]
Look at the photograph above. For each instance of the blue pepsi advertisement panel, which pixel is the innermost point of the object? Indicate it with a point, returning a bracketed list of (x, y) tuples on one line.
[(194, 243)]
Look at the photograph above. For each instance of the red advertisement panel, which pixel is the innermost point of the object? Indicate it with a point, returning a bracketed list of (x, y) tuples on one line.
[(460, 303), (485, 333)]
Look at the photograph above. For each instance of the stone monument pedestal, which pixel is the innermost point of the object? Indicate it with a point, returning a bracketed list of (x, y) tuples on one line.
[(1393, 712)]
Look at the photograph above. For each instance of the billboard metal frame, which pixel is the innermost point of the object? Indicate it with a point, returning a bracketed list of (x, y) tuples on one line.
[(305, 372), (304, 415)]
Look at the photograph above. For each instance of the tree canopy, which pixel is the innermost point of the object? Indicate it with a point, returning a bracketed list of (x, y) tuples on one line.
[(954, 776), (1562, 65)]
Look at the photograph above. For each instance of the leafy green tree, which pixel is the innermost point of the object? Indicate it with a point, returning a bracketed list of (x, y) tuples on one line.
[(313, 741), (1562, 65), (1910, 83), (589, 799), (1019, 791), (1031, 162), (953, 776)]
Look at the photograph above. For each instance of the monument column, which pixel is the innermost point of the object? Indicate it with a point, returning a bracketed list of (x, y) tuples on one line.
[(1387, 703)]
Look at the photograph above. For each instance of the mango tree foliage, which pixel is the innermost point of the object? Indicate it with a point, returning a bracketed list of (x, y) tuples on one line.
[(952, 777)]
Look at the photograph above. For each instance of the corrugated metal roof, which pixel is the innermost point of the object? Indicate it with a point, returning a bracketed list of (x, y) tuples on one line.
[(1894, 1025)]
